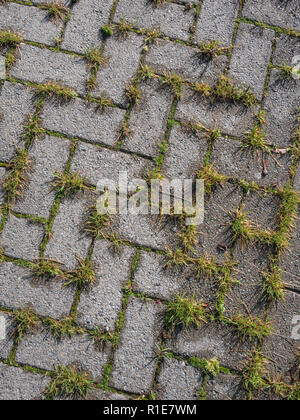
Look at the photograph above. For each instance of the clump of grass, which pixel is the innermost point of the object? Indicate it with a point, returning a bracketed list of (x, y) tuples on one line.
[(68, 381), (9, 39), (254, 373), (69, 183), (145, 72), (55, 10), (103, 102), (256, 137), (208, 367), (96, 222), (225, 90), (158, 2), (26, 319), (184, 311), (206, 266), (241, 228), (286, 72), (151, 36), (211, 178), (56, 89), (32, 129), (83, 275), (174, 81), (250, 327), (123, 28), (212, 48), (176, 258), (273, 286), (63, 327), (46, 269), (188, 238), (94, 58), (202, 89), (133, 93), (14, 182), (106, 31)]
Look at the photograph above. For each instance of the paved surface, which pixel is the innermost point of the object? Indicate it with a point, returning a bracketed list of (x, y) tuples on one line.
[(132, 289)]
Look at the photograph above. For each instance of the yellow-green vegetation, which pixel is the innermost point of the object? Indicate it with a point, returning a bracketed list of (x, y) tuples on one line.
[(83, 275), (9, 39), (96, 222), (55, 10), (14, 182), (273, 286), (250, 327), (133, 93), (174, 81), (212, 48), (254, 373), (56, 89), (208, 367), (211, 178), (69, 183), (26, 319), (255, 139), (176, 258), (184, 311), (46, 269), (63, 327)]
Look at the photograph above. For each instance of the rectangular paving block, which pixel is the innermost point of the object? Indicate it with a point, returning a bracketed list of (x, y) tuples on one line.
[(231, 159), (17, 385), (290, 261), (262, 209), (217, 21), (40, 65), (281, 119), (16, 102), (3, 174), (148, 119), (225, 388), (173, 20), (123, 55), (211, 341), (68, 239), (7, 334), (190, 63), (231, 118), (282, 347), (42, 350), (154, 279), (99, 306), (19, 290), (2, 67), (178, 381), (21, 239), (48, 155), (83, 30), (287, 48), (274, 12), (96, 163), (134, 361), (31, 23), (251, 57), (82, 119), (185, 154)]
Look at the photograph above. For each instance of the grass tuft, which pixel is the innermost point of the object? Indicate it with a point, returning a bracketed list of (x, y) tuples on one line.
[(83, 275), (184, 311), (254, 372), (208, 367), (225, 90), (273, 287), (174, 81), (46, 269), (9, 39), (211, 178), (133, 93), (251, 328), (68, 184), (63, 327), (14, 182), (212, 49), (56, 89), (55, 10), (175, 258), (106, 31), (26, 319)]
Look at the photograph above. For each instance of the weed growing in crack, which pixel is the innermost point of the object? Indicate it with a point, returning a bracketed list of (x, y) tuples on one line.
[(83, 275), (250, 327), (202, 89), (273, 287), (211, 177), (212, 49), (123, 28), (56, 89), (96, 222), (286, 72), (208, 367), (176, 258), (106, 31), (206, 266), (256, 138), (46, 269), (32, 129), (68, 381), (225, 90), (184, 311), (26, 319), (188, 238), (55, 10), (242, 229), (68, 184), (9, 39), (94, 58), (174, 81), (253, 375), (63, 327), (13, 184), (145, 72), (133, 93)]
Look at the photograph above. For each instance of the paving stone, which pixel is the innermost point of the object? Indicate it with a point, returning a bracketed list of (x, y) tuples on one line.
[(2, 177), (82, 119), (99, 395), (212, 341), (20, 290), (173, 20), (262, 209), (42, 350), (225, 388), (40, 65), (68, 239), (112, 273), (152, 278), (217, 21), (48, 155), (16, 103), (185, 155), (230, 118), (134, 360), (16, 384), (31, 23), (290, 263), (297, 179), (287, 48), (166, 56), (235, 162), (215, 233), (7, 342), (281, 120), (252, 262), (83, 30), (97, 163), (251, 57), (281, 347), (274, 12), (21, 239), (178, 381), (148, 120), (123, 56), (2, 68)]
